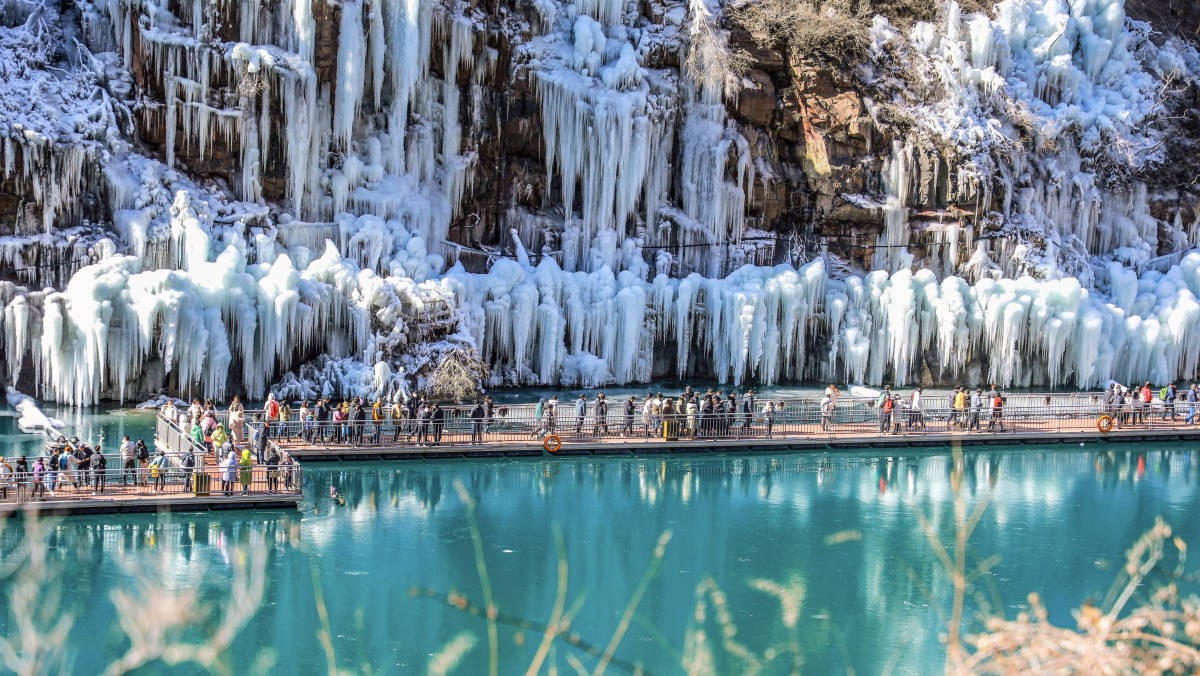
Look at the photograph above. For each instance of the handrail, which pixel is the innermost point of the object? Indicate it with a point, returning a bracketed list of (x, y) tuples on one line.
[(800, 419), (82, 484)]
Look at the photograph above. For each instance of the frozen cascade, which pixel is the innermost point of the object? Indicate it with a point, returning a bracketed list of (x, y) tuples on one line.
[(603, 125), (372, 152)]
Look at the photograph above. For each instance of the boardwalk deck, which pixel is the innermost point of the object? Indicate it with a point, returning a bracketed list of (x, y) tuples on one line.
[(78, 491), (1073, 430), (127, 504)]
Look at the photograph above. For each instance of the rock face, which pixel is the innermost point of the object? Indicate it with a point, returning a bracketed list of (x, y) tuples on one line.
[(364, 147)]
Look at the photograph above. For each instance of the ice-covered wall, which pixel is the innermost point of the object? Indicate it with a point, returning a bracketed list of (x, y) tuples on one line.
[(285, 187)]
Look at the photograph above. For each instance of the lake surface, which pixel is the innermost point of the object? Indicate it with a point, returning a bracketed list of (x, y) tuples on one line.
[(839, 535)]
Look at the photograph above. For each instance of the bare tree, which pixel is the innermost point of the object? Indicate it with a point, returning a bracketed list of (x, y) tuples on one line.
[(710, 63), (458, 376)]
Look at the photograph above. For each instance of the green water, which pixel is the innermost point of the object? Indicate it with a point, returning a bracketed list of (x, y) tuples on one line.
[(843, 527)]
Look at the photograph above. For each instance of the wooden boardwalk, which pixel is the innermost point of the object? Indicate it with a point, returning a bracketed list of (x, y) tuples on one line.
[(141, 503), (133, 491), (785, 438)]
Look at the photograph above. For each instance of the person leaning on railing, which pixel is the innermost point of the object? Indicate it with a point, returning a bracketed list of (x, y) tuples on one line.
[(99, 471)]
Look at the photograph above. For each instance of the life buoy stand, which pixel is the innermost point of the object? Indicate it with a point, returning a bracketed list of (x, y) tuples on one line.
[(1104, 423), (552, 443)]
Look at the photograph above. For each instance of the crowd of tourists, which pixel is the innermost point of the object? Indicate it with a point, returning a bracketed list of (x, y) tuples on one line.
[(72, 466), (416, 420), (236, 448), (1134, 405), (688, 414), (965, 410)]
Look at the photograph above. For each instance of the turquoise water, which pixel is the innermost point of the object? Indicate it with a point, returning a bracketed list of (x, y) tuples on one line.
[(844, 528), (104, 426)]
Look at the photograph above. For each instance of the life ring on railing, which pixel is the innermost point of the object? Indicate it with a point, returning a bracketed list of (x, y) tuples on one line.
[(1104, 423), (552, 443)]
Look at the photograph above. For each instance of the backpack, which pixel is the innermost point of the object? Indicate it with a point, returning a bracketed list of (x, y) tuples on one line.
[(888, 404), (1162, 394)]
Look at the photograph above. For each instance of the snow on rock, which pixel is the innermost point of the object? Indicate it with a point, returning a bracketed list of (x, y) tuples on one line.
[(31, 420), (160, 400), (205, 287)]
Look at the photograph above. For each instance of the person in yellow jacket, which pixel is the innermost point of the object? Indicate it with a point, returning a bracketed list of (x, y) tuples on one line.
[(377, 417), (960, 407), (245, 471), (219, 439)]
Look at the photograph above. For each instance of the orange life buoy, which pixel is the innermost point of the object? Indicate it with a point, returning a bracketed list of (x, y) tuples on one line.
[(552, 443), (1104, 423)]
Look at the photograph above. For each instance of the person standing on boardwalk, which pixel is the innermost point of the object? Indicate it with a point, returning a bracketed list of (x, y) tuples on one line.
[(245, 471), (1145, 396), (7, 477), (890, 422), (960, 407), (1191, 404), (489, 408), (997, 411), (976, 409), (1169, 397), (189, 468), (437, 417), (377, 418), (397, 416), (648, 414), (229, 476), (158, 471), (826, 408), (99, 471), (915, 410), (129, 458), (237, 420), (39, 475), (885, 416), (476, 416), (272, 411), (551, 414), (273, 471), (769, 416), (627, 414), (692, 409), (580, 414), (600, 423), (220, 440), (357, 421)]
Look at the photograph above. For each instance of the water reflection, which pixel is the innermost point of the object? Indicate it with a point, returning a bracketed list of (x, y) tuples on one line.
[(839, 532), (772, 479)]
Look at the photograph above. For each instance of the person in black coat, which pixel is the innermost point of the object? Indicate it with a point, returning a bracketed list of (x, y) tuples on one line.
[(600, 424), (477, 415), (437, 418)]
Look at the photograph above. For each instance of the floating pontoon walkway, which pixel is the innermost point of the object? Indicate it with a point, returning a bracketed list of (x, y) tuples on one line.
[(854, 424), (123, 491), (132, 504)]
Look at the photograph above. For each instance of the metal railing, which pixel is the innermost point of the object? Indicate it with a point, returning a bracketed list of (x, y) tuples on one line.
[(150, 482), (798, 419), (172, 436)]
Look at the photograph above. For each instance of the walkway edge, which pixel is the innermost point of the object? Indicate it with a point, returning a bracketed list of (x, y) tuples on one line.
[(658, 447)]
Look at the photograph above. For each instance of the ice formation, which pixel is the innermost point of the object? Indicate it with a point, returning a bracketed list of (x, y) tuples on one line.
[(329, 258), (31, 419)]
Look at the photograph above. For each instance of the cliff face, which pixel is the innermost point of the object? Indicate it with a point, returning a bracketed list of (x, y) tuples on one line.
[(219, 192)]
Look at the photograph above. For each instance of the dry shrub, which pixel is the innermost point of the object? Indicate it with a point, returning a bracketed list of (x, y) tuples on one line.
[(459, 376), (833, 31), (827, 31), (710, 62), (1160, 635)]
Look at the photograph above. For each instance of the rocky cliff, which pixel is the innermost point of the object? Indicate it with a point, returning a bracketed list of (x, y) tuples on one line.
[(208, 195)]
